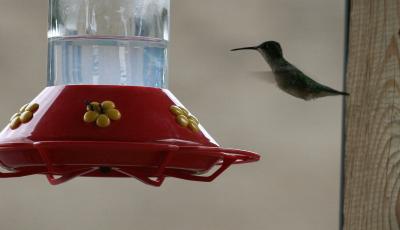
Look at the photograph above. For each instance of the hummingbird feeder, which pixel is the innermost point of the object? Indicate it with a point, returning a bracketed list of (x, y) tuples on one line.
[(106, 111)]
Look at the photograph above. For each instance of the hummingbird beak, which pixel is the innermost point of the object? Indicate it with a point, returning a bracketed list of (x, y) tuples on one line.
[(246, 48)]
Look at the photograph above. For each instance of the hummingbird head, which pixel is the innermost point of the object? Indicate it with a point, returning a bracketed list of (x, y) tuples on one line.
[(270, 50)]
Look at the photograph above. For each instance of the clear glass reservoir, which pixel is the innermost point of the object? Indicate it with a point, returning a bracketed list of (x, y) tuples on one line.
[(113, 42)]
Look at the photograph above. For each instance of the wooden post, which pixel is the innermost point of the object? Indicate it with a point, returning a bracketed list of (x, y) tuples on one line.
[(372, 146)]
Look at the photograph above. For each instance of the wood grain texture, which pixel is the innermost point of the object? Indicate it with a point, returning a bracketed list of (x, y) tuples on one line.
[(372, 163)]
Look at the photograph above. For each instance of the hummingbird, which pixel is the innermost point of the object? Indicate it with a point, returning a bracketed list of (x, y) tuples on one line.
[(288, 77)]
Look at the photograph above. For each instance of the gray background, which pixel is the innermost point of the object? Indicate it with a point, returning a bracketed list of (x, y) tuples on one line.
[(294, 186)]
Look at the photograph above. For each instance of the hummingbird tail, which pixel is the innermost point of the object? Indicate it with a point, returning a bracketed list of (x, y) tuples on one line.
[(327, 91), (335, 92)]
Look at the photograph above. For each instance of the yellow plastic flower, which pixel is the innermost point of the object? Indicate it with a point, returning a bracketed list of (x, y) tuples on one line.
[(24, 115), (184, 118), (101, 113)]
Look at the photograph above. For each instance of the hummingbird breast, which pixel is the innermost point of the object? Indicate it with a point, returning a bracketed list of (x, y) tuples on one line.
[(290, 85)]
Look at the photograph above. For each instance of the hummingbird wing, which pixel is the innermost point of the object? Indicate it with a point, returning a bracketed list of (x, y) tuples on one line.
[(317, 89), (293, 81), (322, 91), (267, 76)]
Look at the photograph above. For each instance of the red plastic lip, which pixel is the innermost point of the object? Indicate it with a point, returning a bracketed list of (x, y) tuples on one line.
[(151, 163), (146, 143)]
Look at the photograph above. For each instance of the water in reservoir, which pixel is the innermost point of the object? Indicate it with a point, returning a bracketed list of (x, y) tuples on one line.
[(107, 60)]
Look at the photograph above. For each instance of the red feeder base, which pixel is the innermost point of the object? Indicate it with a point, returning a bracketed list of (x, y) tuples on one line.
[(150, 141)]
